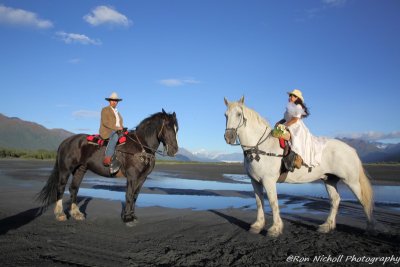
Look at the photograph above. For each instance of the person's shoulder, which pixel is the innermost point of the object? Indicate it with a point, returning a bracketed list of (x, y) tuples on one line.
[(105, 109)]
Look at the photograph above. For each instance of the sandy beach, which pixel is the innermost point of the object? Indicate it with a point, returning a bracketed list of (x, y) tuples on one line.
[(184, 237)]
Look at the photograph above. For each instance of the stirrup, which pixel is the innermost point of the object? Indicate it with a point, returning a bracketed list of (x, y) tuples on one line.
[(115, 165)]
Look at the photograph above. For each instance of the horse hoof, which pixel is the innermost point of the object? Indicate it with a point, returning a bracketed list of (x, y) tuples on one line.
[(61, 217), (274, 233), (78, 217), (255, 230), (324, 229), (132, 223)]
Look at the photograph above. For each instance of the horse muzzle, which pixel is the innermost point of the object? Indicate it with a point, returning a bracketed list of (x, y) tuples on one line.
[(171, 150), (230, 136)]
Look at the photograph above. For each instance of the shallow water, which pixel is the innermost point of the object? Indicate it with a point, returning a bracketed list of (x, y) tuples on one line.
[(383, 194)]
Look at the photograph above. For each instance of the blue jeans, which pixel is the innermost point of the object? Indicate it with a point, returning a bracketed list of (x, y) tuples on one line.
[(112, 142)]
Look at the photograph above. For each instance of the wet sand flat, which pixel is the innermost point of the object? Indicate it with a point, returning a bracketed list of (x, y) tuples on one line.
[(177, 237)]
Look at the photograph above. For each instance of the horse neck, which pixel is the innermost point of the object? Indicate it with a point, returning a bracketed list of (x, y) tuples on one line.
[(252, 132), (148, 140)]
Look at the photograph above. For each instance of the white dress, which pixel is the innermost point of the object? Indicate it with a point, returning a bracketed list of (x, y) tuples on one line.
[(302, 141)]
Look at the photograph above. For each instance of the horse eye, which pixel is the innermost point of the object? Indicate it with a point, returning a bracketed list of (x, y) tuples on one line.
[(238, 114)]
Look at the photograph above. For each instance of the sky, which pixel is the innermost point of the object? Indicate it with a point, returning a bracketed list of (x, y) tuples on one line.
[(59, 60)]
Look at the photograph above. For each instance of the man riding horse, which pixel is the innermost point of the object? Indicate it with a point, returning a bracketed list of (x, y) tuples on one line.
[(111, 123)]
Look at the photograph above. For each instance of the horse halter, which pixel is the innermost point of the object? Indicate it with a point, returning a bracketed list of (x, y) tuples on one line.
[(165, 150), (162, 128), (159, 152), (252, 149), (241, 123)]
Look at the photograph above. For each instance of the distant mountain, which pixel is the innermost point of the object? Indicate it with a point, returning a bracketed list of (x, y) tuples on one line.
[(184, 155), (19, 134), (218, 156), (374, 151)]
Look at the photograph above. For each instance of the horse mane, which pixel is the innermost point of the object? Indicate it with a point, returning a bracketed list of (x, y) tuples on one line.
[(254, 116), (150, 125)]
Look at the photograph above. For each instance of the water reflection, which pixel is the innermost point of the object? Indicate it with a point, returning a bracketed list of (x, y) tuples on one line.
[(197, 194)]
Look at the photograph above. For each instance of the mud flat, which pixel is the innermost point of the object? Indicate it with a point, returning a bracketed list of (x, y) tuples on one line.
[(179, 237)]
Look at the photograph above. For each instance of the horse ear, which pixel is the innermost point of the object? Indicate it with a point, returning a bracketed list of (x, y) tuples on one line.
[(163, 111), (241, 101), (174, 114), (226, 102)]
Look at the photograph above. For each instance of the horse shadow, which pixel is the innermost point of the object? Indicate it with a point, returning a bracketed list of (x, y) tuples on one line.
[(238, 222), (16, 221)]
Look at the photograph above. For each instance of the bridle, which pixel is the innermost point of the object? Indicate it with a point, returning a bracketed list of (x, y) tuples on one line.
[(242, 122), (248, 153), (159, 152)]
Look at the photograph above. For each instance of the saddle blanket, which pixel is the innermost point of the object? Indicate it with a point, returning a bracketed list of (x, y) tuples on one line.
[(95, 139)]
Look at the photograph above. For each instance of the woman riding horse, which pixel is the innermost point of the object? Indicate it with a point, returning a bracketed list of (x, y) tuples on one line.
[(339, 161), (137, 156)]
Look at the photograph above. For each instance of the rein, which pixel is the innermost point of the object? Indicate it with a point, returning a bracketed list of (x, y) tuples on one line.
[(248, 153), (154, 151), (255, 150)]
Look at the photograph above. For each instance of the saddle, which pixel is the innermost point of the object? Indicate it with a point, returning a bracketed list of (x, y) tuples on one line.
[(290, 160), (95, 139)]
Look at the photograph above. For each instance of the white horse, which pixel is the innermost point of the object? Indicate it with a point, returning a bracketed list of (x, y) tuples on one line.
[(263, 161)]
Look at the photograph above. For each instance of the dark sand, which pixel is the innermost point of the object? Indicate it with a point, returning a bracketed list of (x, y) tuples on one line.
[(177, 237)]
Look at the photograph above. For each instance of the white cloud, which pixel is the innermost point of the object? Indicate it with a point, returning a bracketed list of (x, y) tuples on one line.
[(77, 38), (326, 5), (334, 2), (84, 130), (106, 15), (74, 60), (177, 82), (20, 17), (84, 114), (371, 135), (62, 105)]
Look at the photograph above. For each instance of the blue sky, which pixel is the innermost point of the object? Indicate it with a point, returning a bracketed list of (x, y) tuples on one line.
[(60, 59)]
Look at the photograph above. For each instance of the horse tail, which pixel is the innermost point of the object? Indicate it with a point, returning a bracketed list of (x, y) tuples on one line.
[(367, 195), (48, 194)]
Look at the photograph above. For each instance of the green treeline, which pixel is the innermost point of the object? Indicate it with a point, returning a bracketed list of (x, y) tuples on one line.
[(27, 154)]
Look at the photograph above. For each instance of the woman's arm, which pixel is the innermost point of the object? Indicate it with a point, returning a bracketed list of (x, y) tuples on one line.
[(292, 121), (282, 121)]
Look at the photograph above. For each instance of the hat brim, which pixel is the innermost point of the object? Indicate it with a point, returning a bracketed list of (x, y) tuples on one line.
[(291, 93), (113, 99)]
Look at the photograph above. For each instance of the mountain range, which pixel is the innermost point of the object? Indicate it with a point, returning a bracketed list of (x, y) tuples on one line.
[(19, 134)]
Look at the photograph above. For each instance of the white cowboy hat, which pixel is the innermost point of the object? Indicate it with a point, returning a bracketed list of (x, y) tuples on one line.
[(114, 97), (297, 93)]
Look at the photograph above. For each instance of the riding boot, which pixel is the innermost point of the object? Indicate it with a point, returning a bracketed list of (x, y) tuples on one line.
[(107, 161), (286, 149), (288, 161)]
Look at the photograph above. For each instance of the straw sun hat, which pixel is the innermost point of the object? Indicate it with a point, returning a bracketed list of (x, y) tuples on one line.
[(297, 93), (114, 97)]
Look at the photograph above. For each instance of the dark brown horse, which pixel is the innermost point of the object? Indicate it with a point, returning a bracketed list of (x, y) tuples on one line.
[(137, 157)]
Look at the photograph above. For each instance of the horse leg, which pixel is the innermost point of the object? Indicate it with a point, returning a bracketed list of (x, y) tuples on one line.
[(330, 223), (73, 190), (137, 190), (59, 210), (128, 215), (259, 224), (277, 226)]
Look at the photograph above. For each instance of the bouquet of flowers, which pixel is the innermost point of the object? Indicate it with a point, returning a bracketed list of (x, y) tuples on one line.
[(280, 131)]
